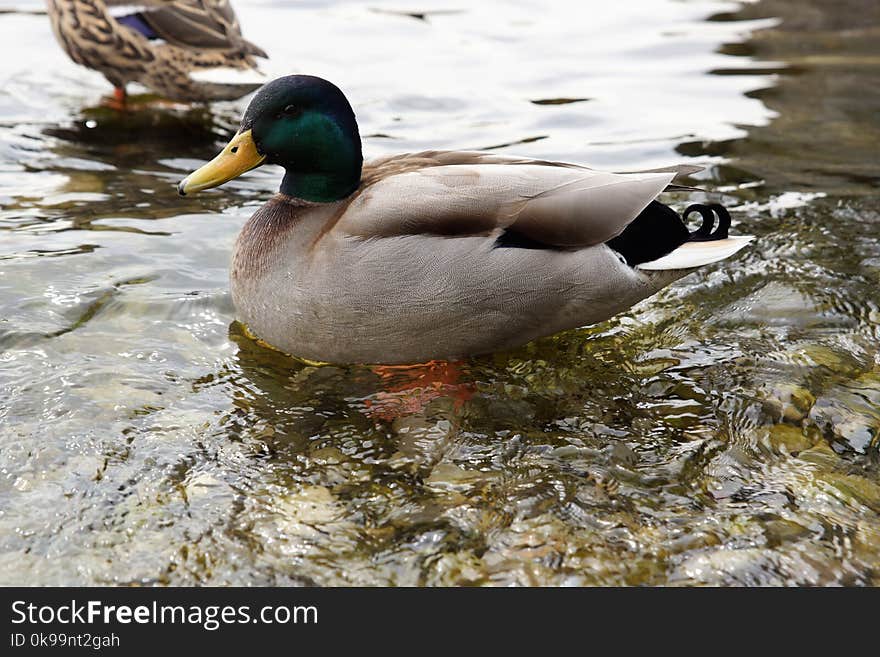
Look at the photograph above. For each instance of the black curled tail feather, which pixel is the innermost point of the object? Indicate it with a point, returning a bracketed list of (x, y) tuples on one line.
[(705, 233), (659, 230)]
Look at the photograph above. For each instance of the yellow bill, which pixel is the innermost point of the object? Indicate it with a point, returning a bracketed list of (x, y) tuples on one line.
[(239, 155)]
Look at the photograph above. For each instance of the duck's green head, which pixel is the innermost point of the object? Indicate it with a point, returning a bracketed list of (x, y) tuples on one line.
[(302, 123)]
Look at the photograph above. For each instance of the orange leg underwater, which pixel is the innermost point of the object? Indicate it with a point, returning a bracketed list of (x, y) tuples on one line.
[(410, 388)]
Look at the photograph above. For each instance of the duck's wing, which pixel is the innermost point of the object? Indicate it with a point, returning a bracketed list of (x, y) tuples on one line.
[(382, 167), (202, 24), (461, 193), (680, 171)]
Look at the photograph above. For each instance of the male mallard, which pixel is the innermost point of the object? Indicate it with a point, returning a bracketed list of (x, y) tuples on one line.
[(436, 255), (158, 45)]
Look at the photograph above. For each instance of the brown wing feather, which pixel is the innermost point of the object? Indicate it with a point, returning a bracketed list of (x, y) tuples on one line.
[(391, 165), (468, 193), (200, 24)]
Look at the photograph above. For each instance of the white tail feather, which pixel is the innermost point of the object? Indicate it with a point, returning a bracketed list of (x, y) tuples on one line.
[(229, 75), (697, 254)]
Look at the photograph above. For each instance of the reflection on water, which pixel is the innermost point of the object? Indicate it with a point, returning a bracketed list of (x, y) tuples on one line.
[(723, 432)]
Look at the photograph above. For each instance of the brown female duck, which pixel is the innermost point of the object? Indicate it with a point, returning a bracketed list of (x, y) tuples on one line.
[(158, 45)]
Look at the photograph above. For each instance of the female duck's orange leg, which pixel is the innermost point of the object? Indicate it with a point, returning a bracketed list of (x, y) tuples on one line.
[(119, 100)]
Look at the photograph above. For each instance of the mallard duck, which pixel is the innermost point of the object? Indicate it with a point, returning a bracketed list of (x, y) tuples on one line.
[(158, 45), (436, 255)]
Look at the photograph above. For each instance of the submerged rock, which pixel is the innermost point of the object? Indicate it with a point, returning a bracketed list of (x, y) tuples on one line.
[(851, 411), (789, 402), (450, 477), (853, 488), (782, 531), (793, 440)]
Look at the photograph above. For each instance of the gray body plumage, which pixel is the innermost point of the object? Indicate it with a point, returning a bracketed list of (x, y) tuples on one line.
[(409, 269)]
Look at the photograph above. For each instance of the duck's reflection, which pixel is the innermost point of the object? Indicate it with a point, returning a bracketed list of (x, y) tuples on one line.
[(101, 163), (149, 122)]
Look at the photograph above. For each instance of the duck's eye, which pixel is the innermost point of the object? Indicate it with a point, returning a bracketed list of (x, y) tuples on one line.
[(290, 110)]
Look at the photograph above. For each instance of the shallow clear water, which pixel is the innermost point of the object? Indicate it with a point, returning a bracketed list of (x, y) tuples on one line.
[(723, 432)]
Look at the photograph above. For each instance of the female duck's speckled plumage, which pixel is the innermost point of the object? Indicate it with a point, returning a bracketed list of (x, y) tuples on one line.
[(158, 46), (443, 254)]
